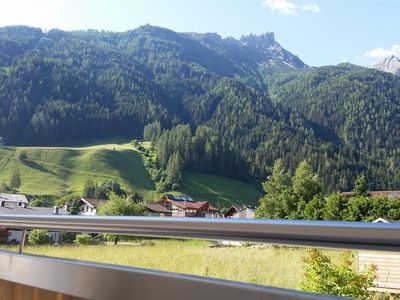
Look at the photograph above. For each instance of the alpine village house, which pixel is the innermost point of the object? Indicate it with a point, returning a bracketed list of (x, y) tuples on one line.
[(173, 206)]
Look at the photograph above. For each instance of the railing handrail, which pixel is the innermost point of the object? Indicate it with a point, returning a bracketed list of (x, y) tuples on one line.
[(88, 280), (103, 282), (349, 235)]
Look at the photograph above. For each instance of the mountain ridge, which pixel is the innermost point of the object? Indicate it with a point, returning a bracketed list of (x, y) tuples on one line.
[(59, 87), (390, 64)]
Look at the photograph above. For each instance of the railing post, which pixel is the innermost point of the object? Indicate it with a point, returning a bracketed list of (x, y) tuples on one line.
[(22, 242)]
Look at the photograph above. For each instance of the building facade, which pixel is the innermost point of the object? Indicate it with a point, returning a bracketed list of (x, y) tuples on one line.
[(170, 205)]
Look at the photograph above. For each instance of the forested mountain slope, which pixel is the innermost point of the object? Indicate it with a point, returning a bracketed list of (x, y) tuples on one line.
[(258, 101), (61, 86), (356, 109)]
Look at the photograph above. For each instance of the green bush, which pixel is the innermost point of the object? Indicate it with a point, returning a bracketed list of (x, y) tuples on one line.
[(5, 187), (84, 239), (23, 156), (73, 202), (135, 143), (36, 203), (176, 186), (342, 279), (38, 237)]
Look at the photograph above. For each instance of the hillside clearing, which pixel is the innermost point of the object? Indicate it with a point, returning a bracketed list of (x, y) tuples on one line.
[(59, 170)]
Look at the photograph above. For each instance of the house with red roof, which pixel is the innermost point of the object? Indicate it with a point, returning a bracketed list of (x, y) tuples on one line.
[(186, 207)]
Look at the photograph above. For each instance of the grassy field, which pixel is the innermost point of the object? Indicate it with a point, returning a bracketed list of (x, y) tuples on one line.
[(280, 267), (219, 189), (59, 170), (51, 170)]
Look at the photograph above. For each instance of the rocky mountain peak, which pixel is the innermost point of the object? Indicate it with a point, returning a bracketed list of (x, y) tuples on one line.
[(390, 64), (272, 54), (259, 42)]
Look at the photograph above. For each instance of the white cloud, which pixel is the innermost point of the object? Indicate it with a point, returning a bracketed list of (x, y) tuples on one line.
[(288, 7), (284, 7), (312, 7), (382, 52)]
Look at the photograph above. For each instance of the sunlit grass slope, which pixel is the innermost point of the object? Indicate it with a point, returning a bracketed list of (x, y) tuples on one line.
[(52, 170), (58, 170)]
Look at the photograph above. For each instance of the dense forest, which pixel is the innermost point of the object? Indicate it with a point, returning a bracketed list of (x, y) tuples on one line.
[(300, 197), (212, 104)]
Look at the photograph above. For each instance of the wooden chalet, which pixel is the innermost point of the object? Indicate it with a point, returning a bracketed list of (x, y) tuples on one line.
[(155, 209), (186, 207), (240, 212)]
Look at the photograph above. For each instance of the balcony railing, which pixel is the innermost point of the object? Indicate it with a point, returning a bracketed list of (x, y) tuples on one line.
[(101, 281)]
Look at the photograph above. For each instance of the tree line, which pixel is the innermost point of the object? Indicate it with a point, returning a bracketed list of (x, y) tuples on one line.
[(180, 149), (301, 197)]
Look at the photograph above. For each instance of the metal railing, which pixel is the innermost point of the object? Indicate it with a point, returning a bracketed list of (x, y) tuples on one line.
[(101, 281)]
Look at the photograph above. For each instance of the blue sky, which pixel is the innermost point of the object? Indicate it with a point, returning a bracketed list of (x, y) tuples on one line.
[(320, 32)]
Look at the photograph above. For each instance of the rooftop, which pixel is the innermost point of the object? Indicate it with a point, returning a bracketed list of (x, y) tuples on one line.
[(179, 198), (13, 209), (13, 198), (154, 207), (94, 202), (388, 194)]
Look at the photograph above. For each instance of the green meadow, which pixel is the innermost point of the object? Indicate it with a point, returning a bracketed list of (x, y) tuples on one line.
[(274, 266), (59, 170)]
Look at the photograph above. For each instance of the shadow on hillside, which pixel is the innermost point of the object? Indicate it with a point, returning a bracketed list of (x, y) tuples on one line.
[(219, 190), (34, 165), (100, 141), (202, 192), (130, 166)]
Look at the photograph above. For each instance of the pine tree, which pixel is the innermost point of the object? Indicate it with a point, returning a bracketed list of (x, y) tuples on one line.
[(276, 203), (89, 189), (360, 186), (15, 181), (306, 184), (174, 170)]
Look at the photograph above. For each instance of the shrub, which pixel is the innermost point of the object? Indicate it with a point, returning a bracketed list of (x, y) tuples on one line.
[(342, 279), (23, 156), (4, 234), (73, 202), (36, 203), (5, 187), (176, 186), (83, 239), (67, 237), (38, 237), (161, 187), (135, 143)]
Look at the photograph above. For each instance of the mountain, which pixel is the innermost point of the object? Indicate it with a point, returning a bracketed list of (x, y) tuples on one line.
[(270, 53), (244, 103), (357, 110), (390, 64), (261, 51), (61, 86)]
